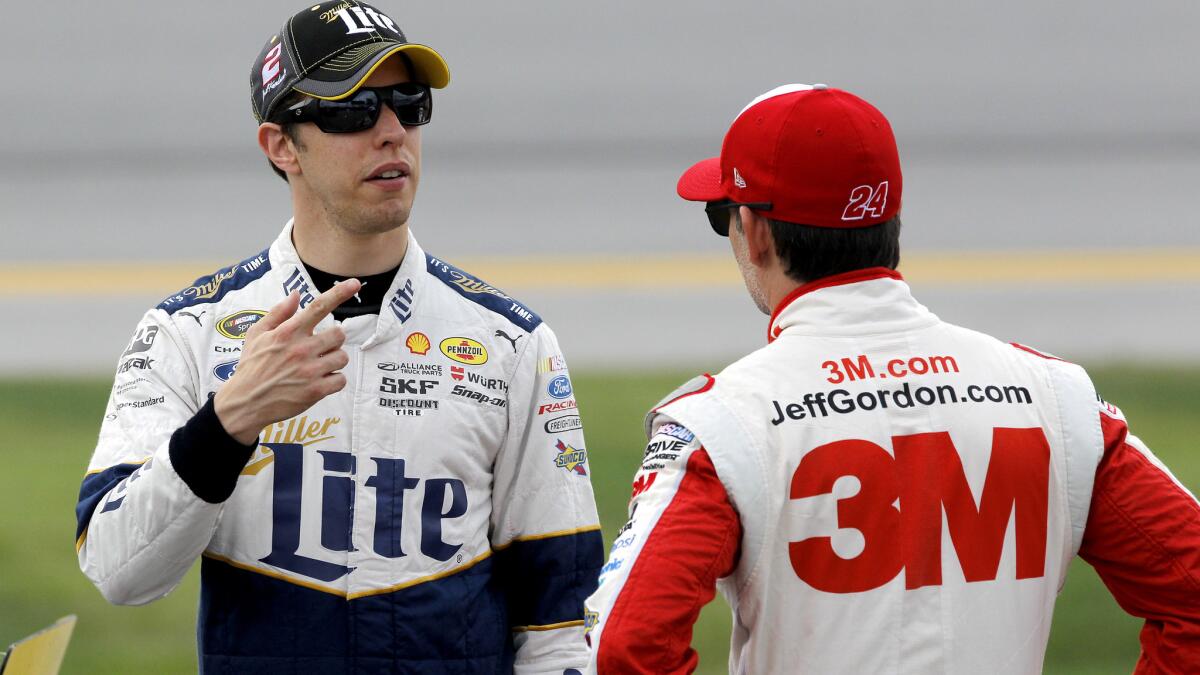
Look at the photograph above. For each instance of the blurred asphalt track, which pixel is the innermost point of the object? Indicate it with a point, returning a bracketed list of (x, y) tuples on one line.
[(1051, 165)]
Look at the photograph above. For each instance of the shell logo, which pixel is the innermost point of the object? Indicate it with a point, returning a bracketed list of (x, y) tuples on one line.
[(418, 343), (464, 350)]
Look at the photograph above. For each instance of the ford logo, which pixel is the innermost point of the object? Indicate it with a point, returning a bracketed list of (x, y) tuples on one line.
[(560, 387), (225, 371)]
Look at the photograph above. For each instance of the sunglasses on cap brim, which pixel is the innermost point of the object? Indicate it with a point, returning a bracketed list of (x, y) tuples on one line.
[(719, 213), (411, 101)]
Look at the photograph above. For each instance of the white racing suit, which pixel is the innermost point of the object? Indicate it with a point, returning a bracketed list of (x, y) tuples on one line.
[(434, 516), (877, 491)]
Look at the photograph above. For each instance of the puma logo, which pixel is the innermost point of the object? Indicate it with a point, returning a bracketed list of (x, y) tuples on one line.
[(195, 316), (513, 340)]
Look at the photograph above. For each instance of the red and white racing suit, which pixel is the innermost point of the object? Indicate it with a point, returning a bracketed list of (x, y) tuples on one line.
[(878, 491)]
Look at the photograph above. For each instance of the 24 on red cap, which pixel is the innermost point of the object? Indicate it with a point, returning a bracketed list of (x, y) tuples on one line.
[(819, 156)]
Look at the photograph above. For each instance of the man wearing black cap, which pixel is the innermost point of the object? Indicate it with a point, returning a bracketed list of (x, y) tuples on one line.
[(875, 490), (385, 470)]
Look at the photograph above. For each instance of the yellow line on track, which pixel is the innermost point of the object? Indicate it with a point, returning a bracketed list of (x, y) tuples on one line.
[(581, 272)]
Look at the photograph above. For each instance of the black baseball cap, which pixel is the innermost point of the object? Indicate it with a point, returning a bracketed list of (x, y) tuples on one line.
[(326, 51)]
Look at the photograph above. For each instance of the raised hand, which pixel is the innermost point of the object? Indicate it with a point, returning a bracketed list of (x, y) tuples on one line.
[(285, 368)]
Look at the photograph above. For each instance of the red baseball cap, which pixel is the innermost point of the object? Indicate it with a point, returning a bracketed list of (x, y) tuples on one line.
[(819, 156)]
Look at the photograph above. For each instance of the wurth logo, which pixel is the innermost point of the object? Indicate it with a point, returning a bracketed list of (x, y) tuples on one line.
[(456, 372)]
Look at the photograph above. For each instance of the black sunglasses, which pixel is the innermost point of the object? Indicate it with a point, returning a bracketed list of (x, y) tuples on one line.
[(718, 213), (411, 102)]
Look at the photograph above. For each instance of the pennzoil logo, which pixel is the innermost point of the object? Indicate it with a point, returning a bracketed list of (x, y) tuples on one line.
[(464, 350), (237, 324), (418, 343), (570, 458)]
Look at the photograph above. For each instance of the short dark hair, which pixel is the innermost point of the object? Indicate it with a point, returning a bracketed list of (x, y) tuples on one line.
[(288, 128), (809, 253)]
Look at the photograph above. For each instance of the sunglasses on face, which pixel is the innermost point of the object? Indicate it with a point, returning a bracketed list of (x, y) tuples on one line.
[(719, 213), (411, 102)]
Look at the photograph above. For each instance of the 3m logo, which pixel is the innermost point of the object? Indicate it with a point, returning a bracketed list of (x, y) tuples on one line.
[(866, 200), (899, 505)]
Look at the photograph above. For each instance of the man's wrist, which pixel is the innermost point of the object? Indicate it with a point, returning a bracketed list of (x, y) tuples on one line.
[(207, 457), (239, 427)]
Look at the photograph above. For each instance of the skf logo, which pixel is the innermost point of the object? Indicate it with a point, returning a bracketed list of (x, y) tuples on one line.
[(642, 484), (571, 459), (418, 343), (393, 385), (237, 324), (464, 350), (457, 372)]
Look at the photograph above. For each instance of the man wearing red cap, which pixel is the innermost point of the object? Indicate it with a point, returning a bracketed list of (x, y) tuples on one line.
[(876, 490)]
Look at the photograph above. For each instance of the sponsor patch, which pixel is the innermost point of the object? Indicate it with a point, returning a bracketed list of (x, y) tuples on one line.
[(224, 371), (140, 404), (457, 372), (138, 363), (481, 397), (142, 340), (418, 343), (550, 364), (464, 350), (564, 423), (236, 325), (676, 431), (560, 387), (409, 407), (411, 368), (570, 458), (557, 406)]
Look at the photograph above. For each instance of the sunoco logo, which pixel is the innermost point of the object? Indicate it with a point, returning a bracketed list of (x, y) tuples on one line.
[(564, 423), (464, 350), (235, 325)]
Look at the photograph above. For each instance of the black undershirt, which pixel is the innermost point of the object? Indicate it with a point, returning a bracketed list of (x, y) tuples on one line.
[(370, 297), (204, 455)]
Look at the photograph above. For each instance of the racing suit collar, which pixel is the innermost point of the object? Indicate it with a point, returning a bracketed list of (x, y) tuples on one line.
[(869, 300), (397, 302)]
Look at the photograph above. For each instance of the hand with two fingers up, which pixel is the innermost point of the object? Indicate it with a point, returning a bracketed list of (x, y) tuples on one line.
[(285, 367)]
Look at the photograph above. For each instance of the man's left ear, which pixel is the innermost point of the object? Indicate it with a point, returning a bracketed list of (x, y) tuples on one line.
[(760, 244)]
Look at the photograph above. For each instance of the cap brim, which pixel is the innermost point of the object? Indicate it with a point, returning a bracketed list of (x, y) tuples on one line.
[(430, 69), (702, 182)]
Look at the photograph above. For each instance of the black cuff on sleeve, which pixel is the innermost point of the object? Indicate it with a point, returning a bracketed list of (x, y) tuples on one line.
[(206, 457)]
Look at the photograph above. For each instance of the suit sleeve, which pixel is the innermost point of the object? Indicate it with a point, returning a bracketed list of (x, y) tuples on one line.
[(545, 531), (1143, 539), (682, 535), (151, 498)]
